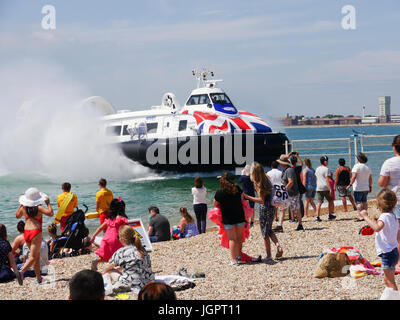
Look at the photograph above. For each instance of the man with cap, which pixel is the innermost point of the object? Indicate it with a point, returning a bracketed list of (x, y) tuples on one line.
[(289, 180), (324, 188)]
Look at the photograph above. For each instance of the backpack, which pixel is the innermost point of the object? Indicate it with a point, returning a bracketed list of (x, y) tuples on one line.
[(300, 185)]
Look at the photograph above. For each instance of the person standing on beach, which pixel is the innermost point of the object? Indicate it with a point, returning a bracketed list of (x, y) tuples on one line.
[(248, 188), (390, 175), (289, 180), (31, 208), (229, 200), (342, 180), (310, 183), (69, 202), (103, 200), (362, 180), (297, 165), (267, 212), (324, 188), (110, 243), (275, 176), (159, 227), (199, 192)]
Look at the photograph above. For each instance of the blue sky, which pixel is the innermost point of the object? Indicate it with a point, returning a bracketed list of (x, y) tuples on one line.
[(276, 57)]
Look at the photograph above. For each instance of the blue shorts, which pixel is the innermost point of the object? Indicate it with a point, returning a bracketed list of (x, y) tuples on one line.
[(389, 259), (360, 196), (230, 226), (310, 194)]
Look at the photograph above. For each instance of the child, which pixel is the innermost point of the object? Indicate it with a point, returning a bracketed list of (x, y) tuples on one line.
[(187, 225), (52, 231), (386, 228), (110, 243), (86, 285), (133, 262)]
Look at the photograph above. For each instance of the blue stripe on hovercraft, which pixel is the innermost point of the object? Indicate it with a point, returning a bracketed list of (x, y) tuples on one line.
[(260, 127), (201, 128)]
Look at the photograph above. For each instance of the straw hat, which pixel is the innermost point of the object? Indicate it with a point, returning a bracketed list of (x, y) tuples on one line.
[(32, 198), (284, 159)]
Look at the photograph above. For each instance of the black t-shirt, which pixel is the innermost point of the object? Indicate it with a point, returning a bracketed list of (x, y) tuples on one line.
[(231, 206), (247, 185), (161, 228)]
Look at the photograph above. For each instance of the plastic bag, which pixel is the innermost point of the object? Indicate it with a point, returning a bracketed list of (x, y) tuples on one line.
[(280, 197), (390, 294)]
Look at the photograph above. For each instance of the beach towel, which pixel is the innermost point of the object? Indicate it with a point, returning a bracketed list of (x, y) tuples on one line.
[(215, 216)]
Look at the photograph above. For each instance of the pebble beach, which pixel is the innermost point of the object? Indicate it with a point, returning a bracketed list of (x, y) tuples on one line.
[(289, 278)]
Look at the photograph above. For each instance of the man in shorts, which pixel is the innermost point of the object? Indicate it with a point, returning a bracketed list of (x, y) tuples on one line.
[(324, 189), (342, 180), (289, 180)]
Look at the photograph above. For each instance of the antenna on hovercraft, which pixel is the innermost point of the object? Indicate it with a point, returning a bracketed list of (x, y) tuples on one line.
[(202, 76)]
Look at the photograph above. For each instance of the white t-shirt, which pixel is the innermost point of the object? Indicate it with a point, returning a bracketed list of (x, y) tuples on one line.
[(199, 195), (275, 176), (321, 173), (362, 180), (386, 239), (391, 168)]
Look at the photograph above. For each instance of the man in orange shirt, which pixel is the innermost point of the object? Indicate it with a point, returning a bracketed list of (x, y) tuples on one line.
[(73, 203), (103, 200)]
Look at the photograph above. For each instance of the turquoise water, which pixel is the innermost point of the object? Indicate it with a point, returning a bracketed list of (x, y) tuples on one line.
[(168, 192)]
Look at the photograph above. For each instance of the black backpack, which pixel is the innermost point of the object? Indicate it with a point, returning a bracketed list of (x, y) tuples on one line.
[(300, 185)]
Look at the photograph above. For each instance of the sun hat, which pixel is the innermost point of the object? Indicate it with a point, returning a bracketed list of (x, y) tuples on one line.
[(229, 176), (284, 159), (32, 198)]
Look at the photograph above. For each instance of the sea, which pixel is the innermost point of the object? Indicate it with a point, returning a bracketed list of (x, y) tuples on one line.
[(140, 188)]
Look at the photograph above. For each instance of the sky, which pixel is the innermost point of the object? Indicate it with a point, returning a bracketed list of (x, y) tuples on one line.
[(275, 57)]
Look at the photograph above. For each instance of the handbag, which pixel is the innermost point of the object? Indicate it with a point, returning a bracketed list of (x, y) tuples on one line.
[(280, 197)]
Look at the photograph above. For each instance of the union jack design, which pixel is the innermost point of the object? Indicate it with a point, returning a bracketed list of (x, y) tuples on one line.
[(209, 122)]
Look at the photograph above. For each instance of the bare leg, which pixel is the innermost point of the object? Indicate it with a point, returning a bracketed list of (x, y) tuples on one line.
[(331, 206), (352, 202), (389, 279), (267, 244), (281, 215), (344, 202), (319, 208), (34, 256)]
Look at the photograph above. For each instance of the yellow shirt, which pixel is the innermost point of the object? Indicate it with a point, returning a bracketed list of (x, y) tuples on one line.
[(104, 198), (71, 206)]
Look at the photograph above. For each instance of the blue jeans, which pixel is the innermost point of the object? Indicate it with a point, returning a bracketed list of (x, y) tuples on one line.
[(389, 259), (153, 238)]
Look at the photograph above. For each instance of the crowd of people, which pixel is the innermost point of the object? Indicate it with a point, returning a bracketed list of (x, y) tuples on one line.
[(275, 192)]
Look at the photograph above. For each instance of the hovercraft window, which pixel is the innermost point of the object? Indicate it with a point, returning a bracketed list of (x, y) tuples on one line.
[(152, 127), (125, 131), (220, 98), (113, 130), (198, 99), (182, 125)]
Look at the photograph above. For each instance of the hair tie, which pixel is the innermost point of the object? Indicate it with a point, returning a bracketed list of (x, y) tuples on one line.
[(119, 199)]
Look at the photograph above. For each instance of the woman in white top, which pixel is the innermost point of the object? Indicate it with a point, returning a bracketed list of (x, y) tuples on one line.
[(199, 192), (275, 176), (390, 173), (362, 179)]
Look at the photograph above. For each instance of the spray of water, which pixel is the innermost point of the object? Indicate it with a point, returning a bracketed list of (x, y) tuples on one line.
[(44, 130)]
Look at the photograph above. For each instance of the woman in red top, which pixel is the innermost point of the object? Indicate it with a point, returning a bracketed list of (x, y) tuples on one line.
[(30, 207)]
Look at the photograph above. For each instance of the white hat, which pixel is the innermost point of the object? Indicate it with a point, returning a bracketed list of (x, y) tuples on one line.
[(32, 198)]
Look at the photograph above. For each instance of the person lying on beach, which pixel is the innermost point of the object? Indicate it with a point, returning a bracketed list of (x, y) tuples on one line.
[(86, 285), (110, 243), (31, 208), (130, 265), (18, 243), (7, 259)]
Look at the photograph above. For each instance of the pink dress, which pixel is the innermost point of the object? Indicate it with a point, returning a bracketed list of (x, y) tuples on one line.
[(110, 242)]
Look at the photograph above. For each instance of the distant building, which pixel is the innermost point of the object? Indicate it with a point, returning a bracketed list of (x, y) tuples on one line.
[(330, 121), (369, 120), (384, 109)]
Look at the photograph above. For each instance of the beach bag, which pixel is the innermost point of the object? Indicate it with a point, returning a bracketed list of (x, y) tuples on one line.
[(331, 265), (280, 197)]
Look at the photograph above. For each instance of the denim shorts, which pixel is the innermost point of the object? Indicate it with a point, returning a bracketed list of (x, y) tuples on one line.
[(310, 194), (360, 196), (389, 259), (230, 226)]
